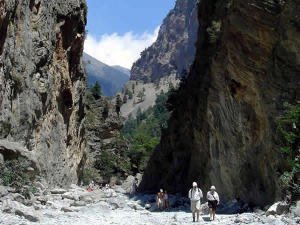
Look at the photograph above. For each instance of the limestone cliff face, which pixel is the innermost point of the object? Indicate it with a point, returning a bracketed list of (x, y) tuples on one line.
[(42, 82), (222, 130), (174, 50), (106, 148)]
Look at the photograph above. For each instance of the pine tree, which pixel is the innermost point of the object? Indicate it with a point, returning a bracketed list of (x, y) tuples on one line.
[(96, 90), (118, 104)]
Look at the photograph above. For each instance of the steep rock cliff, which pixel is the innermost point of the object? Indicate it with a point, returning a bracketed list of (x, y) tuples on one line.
[(222, 130), (174, 50), (42, 82), (106, 148)]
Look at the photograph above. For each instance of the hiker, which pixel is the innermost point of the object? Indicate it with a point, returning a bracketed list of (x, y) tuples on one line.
[(195, 195), (100, 186), (213, 202), (91, 186), (166, 200), (160, 199)]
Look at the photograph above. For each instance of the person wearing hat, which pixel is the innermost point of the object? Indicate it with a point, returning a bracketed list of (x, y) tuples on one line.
[(160, 199), (213, 202), (195, 195)]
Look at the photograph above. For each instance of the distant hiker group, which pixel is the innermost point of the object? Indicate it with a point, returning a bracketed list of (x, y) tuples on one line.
[(162, 199), (195, 195)]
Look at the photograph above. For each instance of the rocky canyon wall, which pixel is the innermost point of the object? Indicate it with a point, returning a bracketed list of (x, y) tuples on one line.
[(222, 131), (42, 82), (174, 50)]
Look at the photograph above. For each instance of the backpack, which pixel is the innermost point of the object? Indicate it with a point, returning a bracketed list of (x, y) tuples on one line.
[(199, 190)]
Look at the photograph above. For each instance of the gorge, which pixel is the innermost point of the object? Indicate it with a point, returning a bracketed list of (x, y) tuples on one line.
[(219, 77)]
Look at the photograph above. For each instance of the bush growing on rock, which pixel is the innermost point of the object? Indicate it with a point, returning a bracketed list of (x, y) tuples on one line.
[(15, 173), (289, 127)]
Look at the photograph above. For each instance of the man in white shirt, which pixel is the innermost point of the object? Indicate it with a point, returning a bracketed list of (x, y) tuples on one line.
[(195, 194)]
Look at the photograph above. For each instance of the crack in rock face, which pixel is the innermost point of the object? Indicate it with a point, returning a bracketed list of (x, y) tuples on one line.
[(43, 83)]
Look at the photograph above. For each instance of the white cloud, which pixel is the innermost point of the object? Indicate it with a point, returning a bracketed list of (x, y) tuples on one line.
[(115, 49)]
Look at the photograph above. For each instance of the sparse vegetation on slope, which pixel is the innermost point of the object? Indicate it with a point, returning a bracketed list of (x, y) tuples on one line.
[(144, 132)]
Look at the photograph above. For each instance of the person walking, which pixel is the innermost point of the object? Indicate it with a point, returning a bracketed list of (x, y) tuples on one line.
[(160, 199), (213, 201), (195, 195), (166, 200)]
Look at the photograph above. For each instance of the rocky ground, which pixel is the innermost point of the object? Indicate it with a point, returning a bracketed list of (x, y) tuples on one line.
[(114, 206)]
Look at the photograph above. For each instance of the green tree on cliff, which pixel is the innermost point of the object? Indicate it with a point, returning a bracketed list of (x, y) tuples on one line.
[(96, 90), (118, 104)]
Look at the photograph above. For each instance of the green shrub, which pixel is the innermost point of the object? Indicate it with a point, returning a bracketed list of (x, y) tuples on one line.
[(14, 174), (289, 127)]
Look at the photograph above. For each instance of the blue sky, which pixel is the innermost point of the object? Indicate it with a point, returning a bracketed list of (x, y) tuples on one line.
[(118, 30)]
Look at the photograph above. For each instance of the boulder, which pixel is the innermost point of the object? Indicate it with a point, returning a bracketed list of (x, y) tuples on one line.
[(3, 191), (28, 214), (39, 185), (19, 198), (78, 203), (295, 210), (42, 199), (71, 196), (69, 209), (278, 208), (127, 184), (58, 191), (10, 206), (148, 206), (135, 206), (204, 209)]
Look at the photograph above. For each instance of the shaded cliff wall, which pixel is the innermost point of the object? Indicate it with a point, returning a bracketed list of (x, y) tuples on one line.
[(42, 82), (174, 50), (222, 130)]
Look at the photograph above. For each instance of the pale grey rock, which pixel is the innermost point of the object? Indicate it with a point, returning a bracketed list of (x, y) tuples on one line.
[(69, 209), (174, 50), (204, 209), (148, 206), (42, 84), (3, 190), (70, 195), (278, 208), (295, 210), (58, 191), (28, 214), (127, 184), (78, 203)]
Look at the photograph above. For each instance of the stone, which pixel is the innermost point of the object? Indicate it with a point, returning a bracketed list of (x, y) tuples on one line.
[(28, 214), (204, 209), (148, 206), (3, 190), (58, 191), (20, 210), (69, 209), (278, 208), (39, 185), (78, 203), (69, 195), (295, 210)]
